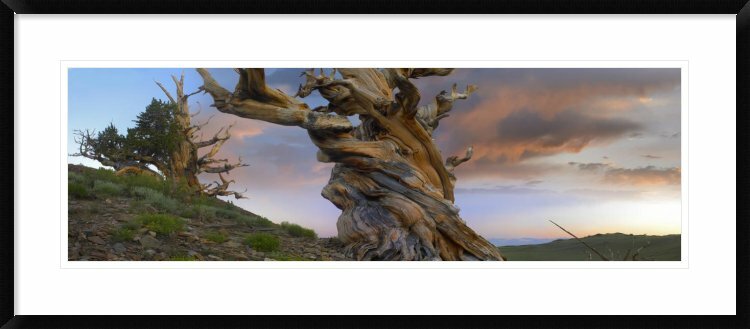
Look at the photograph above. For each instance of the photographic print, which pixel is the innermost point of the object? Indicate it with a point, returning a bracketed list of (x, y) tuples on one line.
[(374, 164)]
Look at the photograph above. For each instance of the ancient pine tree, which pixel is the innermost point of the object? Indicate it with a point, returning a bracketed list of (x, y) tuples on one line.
[(393, 187), (184, 161)]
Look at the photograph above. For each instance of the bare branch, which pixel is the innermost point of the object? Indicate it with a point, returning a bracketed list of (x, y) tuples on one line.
[(445, 100), (223, 168), (581, 241), (193, 93), (221, 189), (453, 161), (195, 128), (391, 73), (217, 142), (166, 92), (430, 115), (253, 100)]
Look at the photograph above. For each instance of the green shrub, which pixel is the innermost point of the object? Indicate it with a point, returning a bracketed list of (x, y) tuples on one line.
[(78, 191), (105, 175), (255, 221), (107, 188), (262, 242), (204, 200), (148, 181), (123, 234), (298, 231), (131, 225), (216, 237), (204, 212), (157, 199), (161, 223), (227, 213), (74, 177), (188, 212)]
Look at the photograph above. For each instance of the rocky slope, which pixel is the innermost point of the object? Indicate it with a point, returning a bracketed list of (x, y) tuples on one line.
[(95, 226)]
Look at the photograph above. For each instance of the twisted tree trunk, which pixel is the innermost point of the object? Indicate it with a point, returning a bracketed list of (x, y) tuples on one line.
[(390, 182)]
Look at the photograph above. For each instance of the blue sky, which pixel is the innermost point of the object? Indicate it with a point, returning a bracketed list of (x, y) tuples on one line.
[(596, 150)]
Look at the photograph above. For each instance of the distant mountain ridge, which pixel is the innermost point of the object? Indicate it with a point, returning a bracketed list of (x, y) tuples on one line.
[(500, 242), (614, 246)]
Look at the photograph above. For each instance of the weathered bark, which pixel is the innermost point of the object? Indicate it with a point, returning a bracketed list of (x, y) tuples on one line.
[(390, 181)]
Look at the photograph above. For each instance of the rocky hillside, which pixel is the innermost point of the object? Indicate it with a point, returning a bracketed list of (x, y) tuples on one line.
[(140, 218)]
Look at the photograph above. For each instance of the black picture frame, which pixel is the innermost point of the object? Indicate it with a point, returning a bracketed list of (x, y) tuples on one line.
[(739, 7)]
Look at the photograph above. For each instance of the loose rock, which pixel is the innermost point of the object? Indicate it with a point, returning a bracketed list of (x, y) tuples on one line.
[(148, 241), (96, 239), (119, 247)]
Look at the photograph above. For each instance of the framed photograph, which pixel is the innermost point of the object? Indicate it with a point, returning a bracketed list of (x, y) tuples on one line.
[(348, 162)]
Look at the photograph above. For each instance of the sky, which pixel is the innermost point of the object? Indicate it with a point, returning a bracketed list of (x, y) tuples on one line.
[(597, 150)]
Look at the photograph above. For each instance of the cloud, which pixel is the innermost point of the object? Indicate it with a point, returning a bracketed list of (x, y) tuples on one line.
[(648, 175), (525, 133), (649, 156), (589, 166), (518, 114), (670, 135), (606, 194), (485, 168), (642, 176), (578, 193), (501, 189)]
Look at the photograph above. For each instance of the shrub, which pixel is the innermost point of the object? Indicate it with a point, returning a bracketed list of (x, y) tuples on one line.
[(74, 177), (204, 212), (123, 234), (105, 175), (298, 231), (152, 182), (107, 188), (216, 237), (161, 223), (226, 213), (157, 199), (203, 200), (255, 220), (78, 191), (188, 212), (132, 225), (262, 242)]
